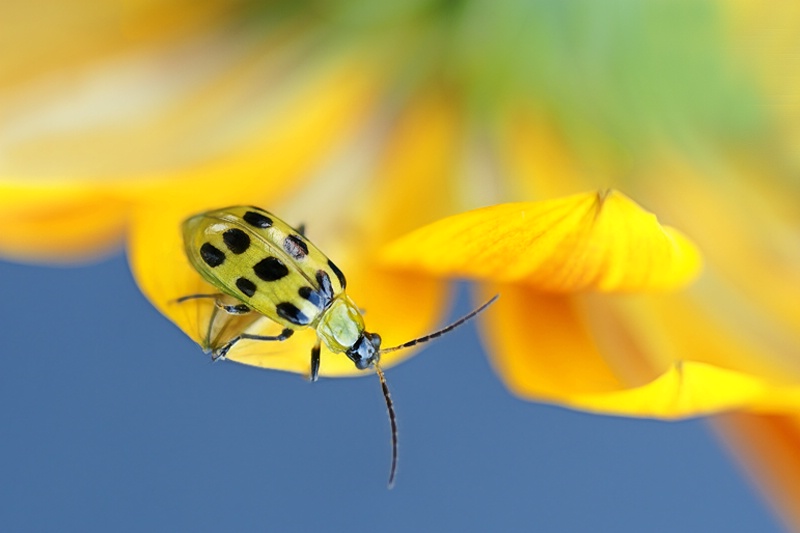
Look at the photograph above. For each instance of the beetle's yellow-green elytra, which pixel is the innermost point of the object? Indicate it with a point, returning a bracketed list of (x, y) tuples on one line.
[(260, 260)]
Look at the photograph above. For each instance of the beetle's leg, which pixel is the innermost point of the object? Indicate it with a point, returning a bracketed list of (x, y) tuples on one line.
[(223, 351), (301, 229), (194, 297), (238, 309), (207, 341), (231, 309), (314, 376)]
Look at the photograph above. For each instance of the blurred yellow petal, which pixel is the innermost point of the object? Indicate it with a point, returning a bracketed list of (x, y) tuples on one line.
[(163, 273), (592, 241), (541, 347), (544, 351), (154, 125), (686, 327), (51, 35), (749, 240), (421, 153), (537, 160), (311, 125), (60, 220), (686, 390), (67, 218)]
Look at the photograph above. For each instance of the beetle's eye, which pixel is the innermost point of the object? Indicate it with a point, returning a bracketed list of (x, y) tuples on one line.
[(375, 339)]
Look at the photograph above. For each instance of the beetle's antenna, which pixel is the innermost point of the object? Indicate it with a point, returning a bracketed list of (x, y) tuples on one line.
[(392, 421), (442, 331)]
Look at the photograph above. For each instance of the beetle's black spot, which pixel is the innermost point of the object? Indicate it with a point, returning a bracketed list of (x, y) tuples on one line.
[(257, 220), (236, 240), (317, 299), (246, 286), (270, 269), (339, 274), (212, 255), (291, 313), (294, 246), (325, 286)]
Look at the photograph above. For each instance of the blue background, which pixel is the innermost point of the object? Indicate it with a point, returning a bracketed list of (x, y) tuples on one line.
[(113, 420)]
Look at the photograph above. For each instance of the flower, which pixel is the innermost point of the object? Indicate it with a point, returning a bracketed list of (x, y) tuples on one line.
[(367, 122)]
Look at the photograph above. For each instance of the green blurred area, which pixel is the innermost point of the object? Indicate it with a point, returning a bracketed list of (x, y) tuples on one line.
[(623, 72)]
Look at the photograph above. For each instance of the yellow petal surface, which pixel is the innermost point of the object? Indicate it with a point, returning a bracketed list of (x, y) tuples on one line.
[(691, 389), (421, 152), (746, 308), (592, 241), (67, 218), (541, 346), (60, 220), (53, 34), (543, 350)]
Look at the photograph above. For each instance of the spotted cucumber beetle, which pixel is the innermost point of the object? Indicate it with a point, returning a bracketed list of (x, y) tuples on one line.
[(270, 268)]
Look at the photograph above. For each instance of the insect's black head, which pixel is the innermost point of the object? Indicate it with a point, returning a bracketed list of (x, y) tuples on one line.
[(366, 351)]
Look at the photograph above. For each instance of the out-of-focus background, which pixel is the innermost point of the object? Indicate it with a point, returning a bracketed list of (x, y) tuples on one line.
[(113, 420)]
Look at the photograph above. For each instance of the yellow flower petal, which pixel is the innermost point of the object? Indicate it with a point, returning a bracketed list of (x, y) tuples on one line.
[(192, 135), (544, 350), (748, 236), (538, 160), (600, 241), (57, 34), (421, 152), (59, 220), (685, 390), (313, 122), (540, 347), (66, 218)]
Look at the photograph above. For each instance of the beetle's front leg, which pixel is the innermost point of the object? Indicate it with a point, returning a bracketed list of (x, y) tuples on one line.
[(222, 352), (314, 376), (231, 309)]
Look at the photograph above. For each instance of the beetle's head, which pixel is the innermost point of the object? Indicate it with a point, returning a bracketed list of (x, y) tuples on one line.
[(366, 351)]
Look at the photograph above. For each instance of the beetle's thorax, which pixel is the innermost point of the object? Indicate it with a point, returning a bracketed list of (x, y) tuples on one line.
[(341, 325)]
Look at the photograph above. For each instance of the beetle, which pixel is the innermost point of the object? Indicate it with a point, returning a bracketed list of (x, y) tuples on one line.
[(268, 267)]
